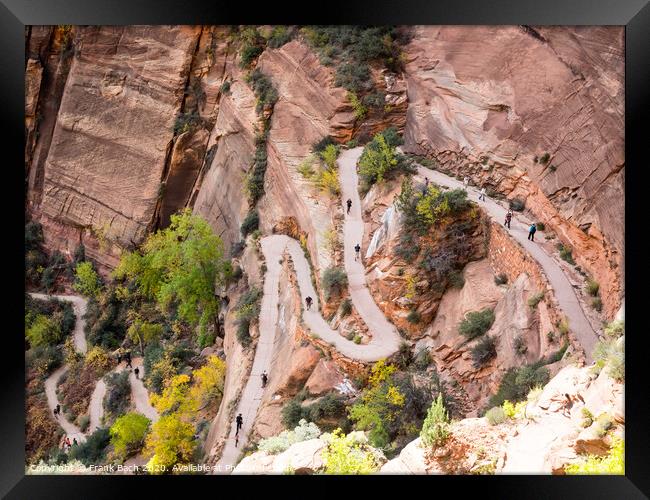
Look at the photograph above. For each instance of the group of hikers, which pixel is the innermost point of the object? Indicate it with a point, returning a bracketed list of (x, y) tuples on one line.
[(66, 444), (127, 357)]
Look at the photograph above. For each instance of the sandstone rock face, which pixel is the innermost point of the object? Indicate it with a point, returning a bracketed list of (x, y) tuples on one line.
[(309, 108), (113, 129), (221, 198), (484, 101)]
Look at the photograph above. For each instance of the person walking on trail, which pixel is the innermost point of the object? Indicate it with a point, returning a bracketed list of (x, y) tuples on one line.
[(128, 359), (240, 422), (57, 411), (308, 301), (466, 182), (481, 195), (67, 443), (136, 371), (568, 404), (357, 249), (236, 440), (349, 204), (74, 442), (119, 359), (531, 232), (265, 377), (508, 219)]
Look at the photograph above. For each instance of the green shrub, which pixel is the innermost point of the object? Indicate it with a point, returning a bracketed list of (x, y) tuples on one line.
[(435, 429), (520, 345), (544, 158), (357, 339), (495, 416), (279, 36), (517, 204), (587, 418), (535, 299), (118, 393), (597, 304), (250, 223), (248, 310), (550, 336), (319, 146), (237, 248), (566, 253), (44, 359), (518, 382), (501, 279), (266, 94), (603, 423), (392, 136), (225, 87), (553, 168), (476, 323), (92, 451), (483, 351), (456, 279), (615, 329), (186, 122), (610, 355), (346, 308), (592, 287), (334, 281), (414, 317), (83, 421), (540, 226), (292, 413), (422, 359)]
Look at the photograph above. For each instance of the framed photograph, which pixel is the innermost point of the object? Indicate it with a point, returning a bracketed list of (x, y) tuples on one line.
[(385, 242)]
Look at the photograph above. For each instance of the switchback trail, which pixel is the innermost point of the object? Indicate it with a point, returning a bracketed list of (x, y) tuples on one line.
[(139, 394), (563, 289), (385, 338)]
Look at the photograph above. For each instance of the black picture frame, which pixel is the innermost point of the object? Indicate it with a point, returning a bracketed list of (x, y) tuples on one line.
[(633, 14)]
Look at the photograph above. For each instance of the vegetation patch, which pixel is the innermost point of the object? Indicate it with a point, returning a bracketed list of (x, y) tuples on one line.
[(476, 323), (247, 312), (334, 282)]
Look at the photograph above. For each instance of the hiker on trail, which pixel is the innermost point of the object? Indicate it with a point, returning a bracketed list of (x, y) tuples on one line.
[(136, 371), (240, 422), (236, 440), (264, 378), (119, 359), (466, 182), (426, 185), (74, 442), (57, 410), (357, 249), (67, 443), (128, 359), (481, 195), (308, 301), (508, 219), (531, 232), (349, 204)]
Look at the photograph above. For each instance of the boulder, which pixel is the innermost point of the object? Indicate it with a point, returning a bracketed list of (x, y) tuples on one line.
[(325, 377), (300, 458)]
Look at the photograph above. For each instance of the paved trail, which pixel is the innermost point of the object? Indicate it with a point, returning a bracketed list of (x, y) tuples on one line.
[(385, 338), (139, 394), (564, 291)]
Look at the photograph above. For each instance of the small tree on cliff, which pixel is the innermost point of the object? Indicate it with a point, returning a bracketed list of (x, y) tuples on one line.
[(435, 429), (87, 280), (181, 265)]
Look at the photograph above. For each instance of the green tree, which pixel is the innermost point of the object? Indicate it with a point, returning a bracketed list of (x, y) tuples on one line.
[(171, 441), (181, 265), (87, 280), (435, 429), (144, 332), (377, 160), (379, 406), (41, 330), (128, 432), (329, 155)]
